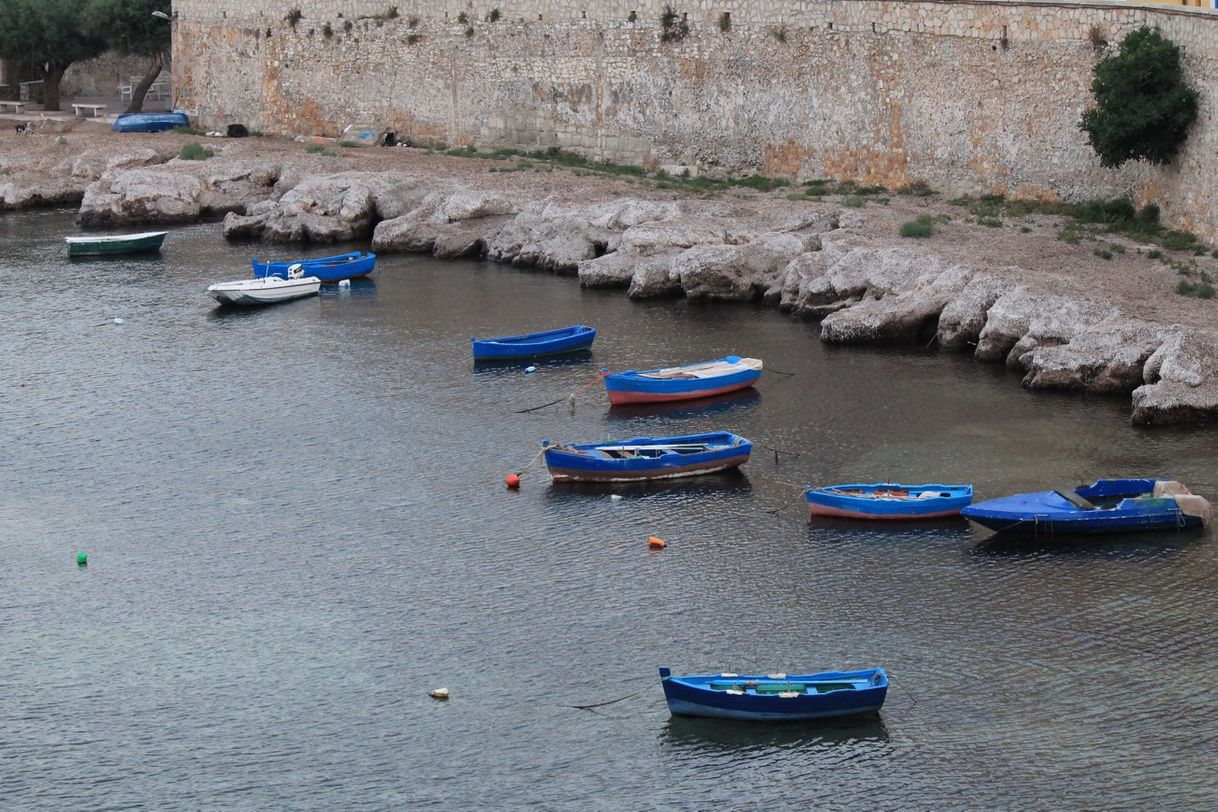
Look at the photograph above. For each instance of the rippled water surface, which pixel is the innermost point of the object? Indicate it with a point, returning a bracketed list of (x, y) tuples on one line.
[(297, 527)]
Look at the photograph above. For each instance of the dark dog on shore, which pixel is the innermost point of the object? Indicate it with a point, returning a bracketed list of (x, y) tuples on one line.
[(24, 126)]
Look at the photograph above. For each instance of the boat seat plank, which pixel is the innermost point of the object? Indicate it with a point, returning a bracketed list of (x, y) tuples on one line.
[(1076, 500)]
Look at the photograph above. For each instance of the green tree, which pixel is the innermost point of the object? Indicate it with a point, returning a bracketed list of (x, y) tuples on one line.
[(1144, 106), (47, 36), (130, 27)]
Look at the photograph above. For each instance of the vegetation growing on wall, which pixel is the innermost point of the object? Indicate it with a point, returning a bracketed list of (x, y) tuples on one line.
[(673, 27), (1144, 105)]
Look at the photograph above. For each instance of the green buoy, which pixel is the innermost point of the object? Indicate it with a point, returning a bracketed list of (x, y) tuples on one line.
[(82, 559)]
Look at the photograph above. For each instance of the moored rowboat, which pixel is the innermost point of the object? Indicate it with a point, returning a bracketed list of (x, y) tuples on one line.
[(149, 122), (146, 242), (575, 338), (647, 458), (776, 697), (1105, 506), (888, 500), (266, 291), (686, 382), (351, 265)]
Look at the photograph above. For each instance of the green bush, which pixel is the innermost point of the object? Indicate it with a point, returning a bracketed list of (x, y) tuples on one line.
[(318, 149), (1197, 290), (1102, 253), (922, 226), (855, 202), (194, 151), (1143, 105)]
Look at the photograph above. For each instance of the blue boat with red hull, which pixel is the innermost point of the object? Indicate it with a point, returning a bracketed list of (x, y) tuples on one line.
[(776, 697), (646, 458), (888, 501), (1106, 506), (686, 382), (576, 338)]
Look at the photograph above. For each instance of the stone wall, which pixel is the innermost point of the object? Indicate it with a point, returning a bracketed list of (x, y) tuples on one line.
[(103, 75), (969, 95)]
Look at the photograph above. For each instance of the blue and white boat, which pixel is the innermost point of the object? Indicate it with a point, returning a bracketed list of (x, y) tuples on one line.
[(776, 697), (328, 269), (1106, 506), (149, 122), (686, 382), (646, 458), (576, 338), (888, 501)]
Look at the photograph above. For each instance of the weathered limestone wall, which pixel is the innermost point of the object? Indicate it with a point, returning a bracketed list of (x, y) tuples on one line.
[(103, 75), (972, 95)]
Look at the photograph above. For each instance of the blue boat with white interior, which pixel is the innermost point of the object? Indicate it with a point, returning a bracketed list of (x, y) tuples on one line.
[(1104, 507), (646, 457), (686, 382), (352, 265), (576, 338), (888, 501), (776, 697), (149, 122)]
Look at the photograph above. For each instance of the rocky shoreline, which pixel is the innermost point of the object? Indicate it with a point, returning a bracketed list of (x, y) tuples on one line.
[(1066, 320)]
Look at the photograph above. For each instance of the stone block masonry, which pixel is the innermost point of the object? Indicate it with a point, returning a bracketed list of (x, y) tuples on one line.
[(976, 96)]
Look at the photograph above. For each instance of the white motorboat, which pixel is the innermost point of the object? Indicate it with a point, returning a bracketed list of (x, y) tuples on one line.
[(267, 289)]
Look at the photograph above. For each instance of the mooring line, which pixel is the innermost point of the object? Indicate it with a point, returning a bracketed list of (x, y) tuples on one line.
[(571, 397), (603, 704)]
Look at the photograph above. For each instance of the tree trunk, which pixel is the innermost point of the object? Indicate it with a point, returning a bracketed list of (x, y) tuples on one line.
[(51, 78), (139, 91)]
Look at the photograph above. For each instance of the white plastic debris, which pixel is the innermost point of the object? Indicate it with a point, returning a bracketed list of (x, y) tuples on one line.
[(617, 497), (530, 369), (117, 320), (439, 693), (344, 283)]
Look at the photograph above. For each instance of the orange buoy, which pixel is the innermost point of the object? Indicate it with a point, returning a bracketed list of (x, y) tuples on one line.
[(656, 543), (512, 481)]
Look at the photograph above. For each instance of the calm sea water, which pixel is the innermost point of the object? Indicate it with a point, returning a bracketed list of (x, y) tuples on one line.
[(297, 527)]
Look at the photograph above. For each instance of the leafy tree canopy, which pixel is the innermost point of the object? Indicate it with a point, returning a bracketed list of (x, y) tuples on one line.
[(47, 33), (1144, 106), (128, 25)]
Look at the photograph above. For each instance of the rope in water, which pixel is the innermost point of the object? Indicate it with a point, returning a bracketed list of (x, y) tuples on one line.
[(893, 680), (571, 397), (532, 462), (603, 704)]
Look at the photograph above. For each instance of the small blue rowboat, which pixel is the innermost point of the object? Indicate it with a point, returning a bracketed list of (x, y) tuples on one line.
[(888, 500), (575, 338), (328, 269), (646, 458), (149, 122), (1106, 506), (683, 382), (776, 697)]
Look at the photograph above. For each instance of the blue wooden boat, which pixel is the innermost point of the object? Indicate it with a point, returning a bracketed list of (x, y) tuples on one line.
[(888, 500), (351, 265), (149, 122), (646, 457), (1106, 506), (575, 338), (683, 382), (147, 242), (776, 697)]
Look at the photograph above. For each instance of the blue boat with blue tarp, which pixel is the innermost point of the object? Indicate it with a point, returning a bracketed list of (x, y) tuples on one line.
[(576, 338), (351, 265), (1106, 506), (646, 457), (149, 122), (776, 697)]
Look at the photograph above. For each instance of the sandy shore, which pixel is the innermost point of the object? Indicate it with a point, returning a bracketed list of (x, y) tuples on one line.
[(1101, 315)]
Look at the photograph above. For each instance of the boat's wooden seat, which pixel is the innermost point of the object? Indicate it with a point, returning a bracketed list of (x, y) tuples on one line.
[(1076, 500)]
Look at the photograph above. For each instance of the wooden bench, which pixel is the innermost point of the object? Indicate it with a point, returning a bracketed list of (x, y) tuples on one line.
[(97, 109), (17, 106)]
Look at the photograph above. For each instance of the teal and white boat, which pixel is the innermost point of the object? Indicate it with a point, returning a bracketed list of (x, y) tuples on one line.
[(118, 244)]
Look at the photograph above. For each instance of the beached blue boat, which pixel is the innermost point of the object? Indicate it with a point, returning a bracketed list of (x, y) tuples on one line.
[(1107, 506), (776, 697), (646, 457), (149, 122), (351, 265), (683, 382), (575, 338), (888, 500)]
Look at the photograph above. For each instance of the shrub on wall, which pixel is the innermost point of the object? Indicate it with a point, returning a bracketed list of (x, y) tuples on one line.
[(1143, 105), (673, 26)]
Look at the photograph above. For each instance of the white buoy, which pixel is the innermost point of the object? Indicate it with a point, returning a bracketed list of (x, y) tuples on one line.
[(344, 283), (617, 497), (117, 320), (530, 369), (439, 693)]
